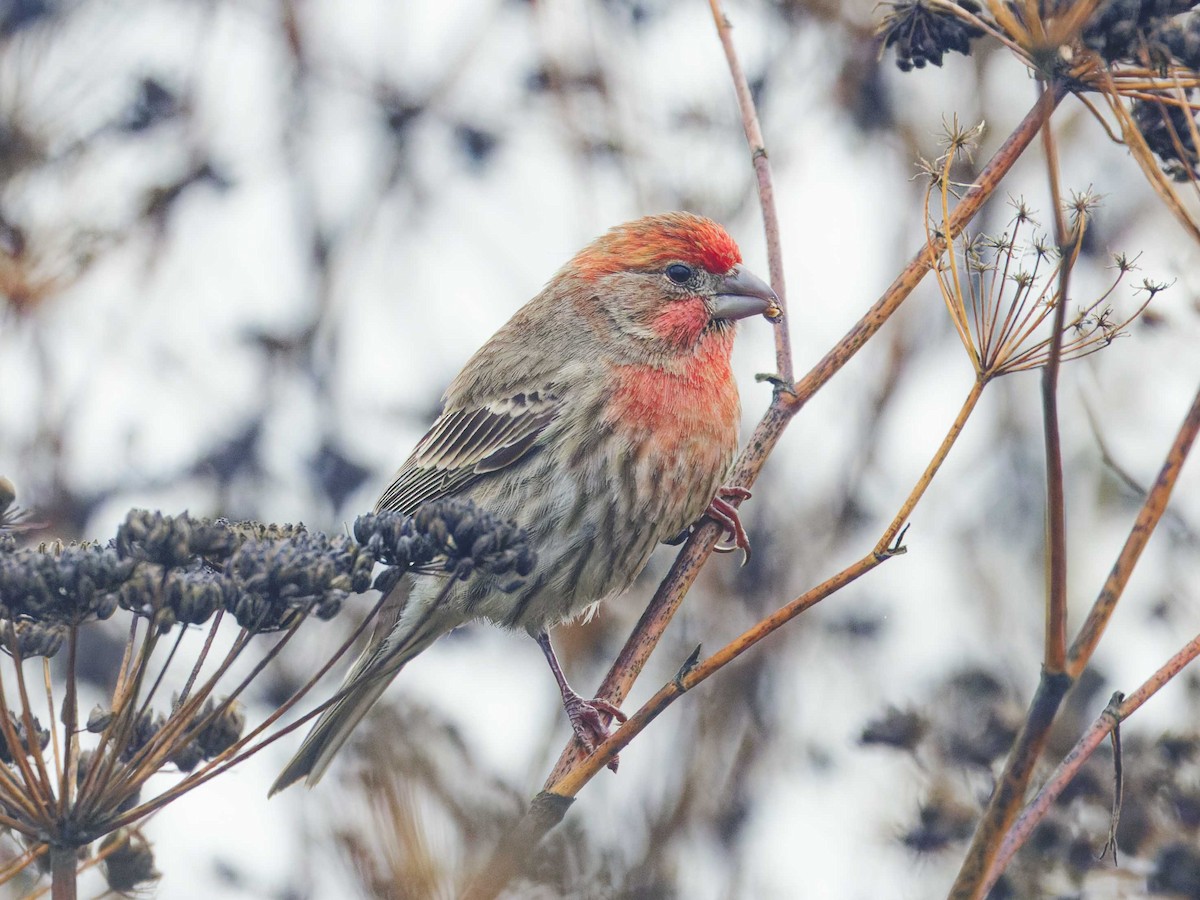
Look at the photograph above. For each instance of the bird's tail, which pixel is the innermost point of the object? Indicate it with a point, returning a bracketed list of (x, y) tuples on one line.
[(332, 730), (370, 676)]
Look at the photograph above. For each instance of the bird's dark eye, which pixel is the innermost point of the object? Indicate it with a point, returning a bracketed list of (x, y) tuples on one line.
[(679, 273)]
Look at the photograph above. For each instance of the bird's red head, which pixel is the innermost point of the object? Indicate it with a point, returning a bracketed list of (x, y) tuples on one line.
[(658, 286), (652, 242)]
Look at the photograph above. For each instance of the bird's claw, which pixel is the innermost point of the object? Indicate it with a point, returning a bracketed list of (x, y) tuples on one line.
[(725, 514), (589, 721)]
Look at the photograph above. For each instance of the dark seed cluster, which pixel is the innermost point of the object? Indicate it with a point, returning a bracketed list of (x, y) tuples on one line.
[(262, 574), (61, 585), (1168, 132), (1181, 38), (128, 861), (921, 32), (453, 536), (180, 570), (171, 541), (30, 638), (220, 732), (1143, 32), (473, 539), (274, 581), (40, 738)]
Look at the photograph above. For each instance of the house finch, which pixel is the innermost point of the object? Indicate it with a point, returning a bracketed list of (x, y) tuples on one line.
[(602, 419)]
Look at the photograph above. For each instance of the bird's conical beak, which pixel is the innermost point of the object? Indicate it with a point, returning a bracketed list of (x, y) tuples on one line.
[(741, 293)]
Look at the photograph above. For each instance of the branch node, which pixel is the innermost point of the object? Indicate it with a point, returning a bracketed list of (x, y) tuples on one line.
[(688, 665), (1113, 710), (781, 384), (759, 152), (896, 548)]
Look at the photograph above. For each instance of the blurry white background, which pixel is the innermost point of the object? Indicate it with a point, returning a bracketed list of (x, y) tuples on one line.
[(245, 245)]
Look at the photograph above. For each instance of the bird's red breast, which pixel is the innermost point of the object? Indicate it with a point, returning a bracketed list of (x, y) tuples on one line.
[(696, 400)]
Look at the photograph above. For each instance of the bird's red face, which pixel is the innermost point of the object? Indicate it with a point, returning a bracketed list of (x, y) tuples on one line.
[(668, 282)]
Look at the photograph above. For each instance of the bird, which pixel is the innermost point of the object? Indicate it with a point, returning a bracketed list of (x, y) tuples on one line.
[(603, 419)]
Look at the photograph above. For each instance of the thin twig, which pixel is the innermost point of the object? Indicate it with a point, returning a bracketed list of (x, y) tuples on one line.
[(53, 726), (693, 675), (766, 189), (1055, 652), (1074, 761), (27, 717), (70, 719), (1010, 791), (245, 747), (932, 469), (1147, 520), (203, 656)]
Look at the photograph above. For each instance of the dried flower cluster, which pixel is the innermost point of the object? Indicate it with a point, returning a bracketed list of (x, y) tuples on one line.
[(172, 574), (1144, 31), (1156, 43), (1150, 33), (1170, 131), (1001, 289), (922, 32)]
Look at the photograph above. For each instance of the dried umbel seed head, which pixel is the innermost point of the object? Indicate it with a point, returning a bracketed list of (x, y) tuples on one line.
[(472, 539), (128, 861), (173, 541), (262, 531), (1181, 39), (1122, 30), (223, 731), (394, 540), (66, 585), (31, 638), (1168, 132), (195, 594), (453, 536), (148, 724), (921, 32), (276, 581)]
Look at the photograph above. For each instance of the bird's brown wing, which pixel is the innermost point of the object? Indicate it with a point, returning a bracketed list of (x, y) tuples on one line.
[(466, 444)]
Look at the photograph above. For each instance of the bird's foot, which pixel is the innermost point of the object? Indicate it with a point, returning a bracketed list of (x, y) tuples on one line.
[(590, 719), (725, 514)]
